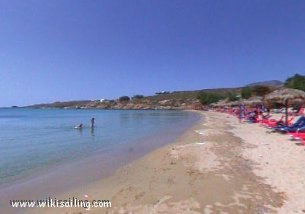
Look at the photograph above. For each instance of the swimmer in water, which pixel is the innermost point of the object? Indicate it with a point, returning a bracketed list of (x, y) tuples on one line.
[(80, 126)]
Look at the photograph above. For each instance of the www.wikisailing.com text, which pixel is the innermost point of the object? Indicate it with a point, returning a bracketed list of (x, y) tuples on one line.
[(57, 203)]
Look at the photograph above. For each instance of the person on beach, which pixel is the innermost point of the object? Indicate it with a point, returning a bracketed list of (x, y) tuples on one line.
[(241, 113), (254, 116), (92, 123)]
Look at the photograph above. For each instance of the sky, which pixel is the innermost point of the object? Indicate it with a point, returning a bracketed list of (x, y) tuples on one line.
[(59, 50)]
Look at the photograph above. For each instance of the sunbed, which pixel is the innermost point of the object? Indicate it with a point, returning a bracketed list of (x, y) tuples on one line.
[(299, 124), (299, 134), (272, 122)]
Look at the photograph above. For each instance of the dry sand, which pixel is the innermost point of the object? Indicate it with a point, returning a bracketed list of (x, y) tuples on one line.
[(218, 166)]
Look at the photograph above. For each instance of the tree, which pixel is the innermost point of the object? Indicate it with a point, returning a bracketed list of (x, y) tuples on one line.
[(207, 98), (246, 92), (124, 99), (138, 97), (261, 90), (232, 97), (297, 82)]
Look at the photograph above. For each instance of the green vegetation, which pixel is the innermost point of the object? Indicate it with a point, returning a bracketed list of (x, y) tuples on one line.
[(207, 98), (258, 90), (232, 96), (261, 90), (181, 98), (138, 97), (124, 99), (297, 82), (246, 92)]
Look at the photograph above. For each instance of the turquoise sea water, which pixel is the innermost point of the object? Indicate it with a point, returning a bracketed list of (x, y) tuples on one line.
[(33, 139)]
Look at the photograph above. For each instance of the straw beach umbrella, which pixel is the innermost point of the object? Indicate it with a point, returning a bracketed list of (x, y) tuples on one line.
[(236, 103), (254, 100), (284, 95), (220, 103)]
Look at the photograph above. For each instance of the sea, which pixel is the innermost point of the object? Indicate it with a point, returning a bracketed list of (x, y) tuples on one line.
[(38, 141)]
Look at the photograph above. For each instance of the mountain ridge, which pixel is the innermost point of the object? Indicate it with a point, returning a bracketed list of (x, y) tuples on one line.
[(272, 83)]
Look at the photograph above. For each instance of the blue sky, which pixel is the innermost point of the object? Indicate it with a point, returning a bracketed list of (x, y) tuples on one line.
[(79, 49)]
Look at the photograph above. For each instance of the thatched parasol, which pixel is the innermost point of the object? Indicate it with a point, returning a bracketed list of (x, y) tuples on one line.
[(284, 95), (220, 103), (254, 100), (281, 95), (235, 103)]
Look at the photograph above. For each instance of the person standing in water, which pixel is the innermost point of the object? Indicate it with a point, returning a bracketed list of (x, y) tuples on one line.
[(92, 123)]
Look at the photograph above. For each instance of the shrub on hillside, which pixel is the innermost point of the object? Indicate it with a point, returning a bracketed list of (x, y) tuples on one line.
[(232, 97), (246, 92), (297, 82), (124, 99), (138, 97), (207, 98), (261, 90)]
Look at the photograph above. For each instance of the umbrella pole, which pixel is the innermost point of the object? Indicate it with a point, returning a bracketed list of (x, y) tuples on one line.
[(286, 112)]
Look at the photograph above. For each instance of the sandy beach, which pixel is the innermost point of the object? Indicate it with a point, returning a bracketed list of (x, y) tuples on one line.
[(217, 166), (150, 107)]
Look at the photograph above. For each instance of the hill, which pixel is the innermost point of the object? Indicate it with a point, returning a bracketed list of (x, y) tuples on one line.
[(165, 100), (169, 100), (271, 83)]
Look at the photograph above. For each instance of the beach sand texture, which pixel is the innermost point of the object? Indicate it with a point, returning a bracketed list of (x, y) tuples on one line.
[(218, 166)]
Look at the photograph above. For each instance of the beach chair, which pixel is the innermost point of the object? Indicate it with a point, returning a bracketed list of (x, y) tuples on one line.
[(300, 112), (299, 134), (298, 137), (281, 124), (299, 124), (272, 122)]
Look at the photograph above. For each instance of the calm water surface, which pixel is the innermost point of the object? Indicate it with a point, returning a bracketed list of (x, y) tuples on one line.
[(33, 139)]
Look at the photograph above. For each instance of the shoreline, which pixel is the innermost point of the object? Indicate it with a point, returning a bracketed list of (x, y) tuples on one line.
[(218, 165), (93, 168), (204, 171)]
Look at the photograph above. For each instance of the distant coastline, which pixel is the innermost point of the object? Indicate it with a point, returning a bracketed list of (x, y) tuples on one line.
[(163, 100)]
